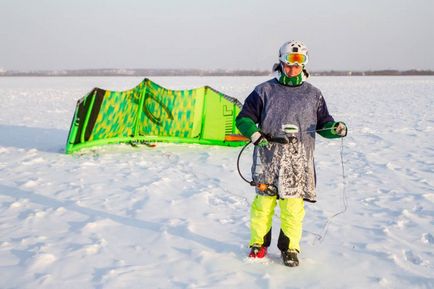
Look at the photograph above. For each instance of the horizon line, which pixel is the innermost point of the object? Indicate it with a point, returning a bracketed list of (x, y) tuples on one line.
[(199, 72)]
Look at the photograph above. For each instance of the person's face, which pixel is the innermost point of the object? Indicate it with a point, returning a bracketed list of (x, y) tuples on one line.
[(292, 70)]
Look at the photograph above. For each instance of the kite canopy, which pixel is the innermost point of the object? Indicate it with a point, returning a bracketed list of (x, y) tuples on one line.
[(151, 113)]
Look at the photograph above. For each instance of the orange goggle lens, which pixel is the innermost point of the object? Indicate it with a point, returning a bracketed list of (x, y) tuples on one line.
[(293, 58)]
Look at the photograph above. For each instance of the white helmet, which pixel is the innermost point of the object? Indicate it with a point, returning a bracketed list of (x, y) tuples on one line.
[(293, 47)]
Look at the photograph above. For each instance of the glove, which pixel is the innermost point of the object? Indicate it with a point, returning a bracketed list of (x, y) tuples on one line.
[(259, 139), (340, 129)]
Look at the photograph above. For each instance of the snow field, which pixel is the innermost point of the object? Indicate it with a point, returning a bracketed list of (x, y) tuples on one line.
[(177, 216)]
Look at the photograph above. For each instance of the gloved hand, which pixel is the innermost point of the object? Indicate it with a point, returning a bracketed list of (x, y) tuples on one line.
[(259, 139), (340, 129)]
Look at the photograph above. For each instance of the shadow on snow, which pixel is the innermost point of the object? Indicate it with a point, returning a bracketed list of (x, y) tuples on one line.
[(43, 139), (212, 244)]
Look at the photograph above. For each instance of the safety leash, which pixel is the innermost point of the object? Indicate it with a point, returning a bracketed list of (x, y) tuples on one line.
[(268, 189)]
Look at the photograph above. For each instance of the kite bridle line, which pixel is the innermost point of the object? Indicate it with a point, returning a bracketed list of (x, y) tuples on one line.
[(321, 237)]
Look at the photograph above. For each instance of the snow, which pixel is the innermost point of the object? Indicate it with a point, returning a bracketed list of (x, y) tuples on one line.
[(177, 216)]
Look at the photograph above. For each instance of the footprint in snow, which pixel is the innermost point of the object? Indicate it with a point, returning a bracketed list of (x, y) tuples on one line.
[(40, 261), (427, 238), (34, 161), (30, 184), (411, 257)]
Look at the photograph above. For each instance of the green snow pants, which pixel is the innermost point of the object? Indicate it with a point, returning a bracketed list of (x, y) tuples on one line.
[(291, 218)]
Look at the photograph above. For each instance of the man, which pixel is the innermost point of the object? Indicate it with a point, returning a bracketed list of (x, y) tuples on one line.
[(284, 108)]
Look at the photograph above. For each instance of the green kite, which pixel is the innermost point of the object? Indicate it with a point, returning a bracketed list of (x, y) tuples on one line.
[(151, 113)]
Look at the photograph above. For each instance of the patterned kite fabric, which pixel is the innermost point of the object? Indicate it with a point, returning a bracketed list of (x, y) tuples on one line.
[(151, 113)]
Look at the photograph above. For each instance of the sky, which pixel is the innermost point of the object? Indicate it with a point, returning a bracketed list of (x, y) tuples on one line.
[(219, 34)]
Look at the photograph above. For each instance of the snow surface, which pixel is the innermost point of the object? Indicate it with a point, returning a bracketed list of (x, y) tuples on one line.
[(177, 216)]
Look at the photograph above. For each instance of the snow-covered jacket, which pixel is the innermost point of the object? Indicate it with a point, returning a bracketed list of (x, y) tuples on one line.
[(289, 167)]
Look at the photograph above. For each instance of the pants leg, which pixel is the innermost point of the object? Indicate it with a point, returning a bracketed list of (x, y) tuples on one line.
[(261, 215), (291, 218)]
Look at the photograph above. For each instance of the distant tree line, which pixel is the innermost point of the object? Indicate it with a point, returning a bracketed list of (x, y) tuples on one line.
[(373, 72), (199, 72), (135, 72)]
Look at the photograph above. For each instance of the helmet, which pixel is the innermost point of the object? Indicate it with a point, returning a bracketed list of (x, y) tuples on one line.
[(294, 47)]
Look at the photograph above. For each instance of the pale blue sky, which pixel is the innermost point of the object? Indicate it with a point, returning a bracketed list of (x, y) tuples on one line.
[(204, 34)]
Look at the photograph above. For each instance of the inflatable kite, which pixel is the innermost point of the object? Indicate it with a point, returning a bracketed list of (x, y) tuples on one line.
[(150, 113)]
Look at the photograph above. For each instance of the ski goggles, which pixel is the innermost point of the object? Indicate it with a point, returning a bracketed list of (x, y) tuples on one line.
[(294, 58)]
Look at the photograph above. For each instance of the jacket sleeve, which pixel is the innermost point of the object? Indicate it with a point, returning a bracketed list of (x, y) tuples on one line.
[(250, 114), (323, 115), (325, 121)]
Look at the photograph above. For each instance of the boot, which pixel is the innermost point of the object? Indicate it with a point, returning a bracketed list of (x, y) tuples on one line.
[(289, 258), (258, 251)]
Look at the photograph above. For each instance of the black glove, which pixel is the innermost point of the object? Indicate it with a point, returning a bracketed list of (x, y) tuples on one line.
[(259, 139)]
